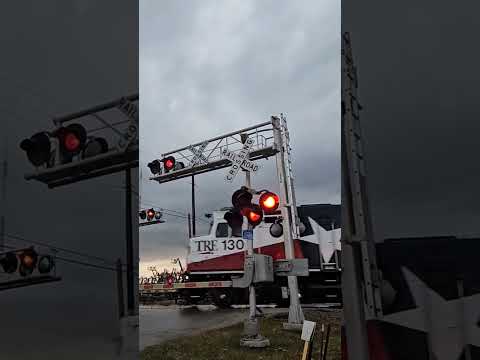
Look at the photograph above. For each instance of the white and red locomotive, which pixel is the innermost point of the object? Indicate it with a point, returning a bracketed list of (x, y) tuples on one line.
[(215, 258)]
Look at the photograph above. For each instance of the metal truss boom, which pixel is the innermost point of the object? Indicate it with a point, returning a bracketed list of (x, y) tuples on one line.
[(212, 150)]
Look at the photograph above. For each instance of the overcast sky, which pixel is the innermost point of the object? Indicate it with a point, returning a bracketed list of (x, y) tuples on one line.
[(217, 66)]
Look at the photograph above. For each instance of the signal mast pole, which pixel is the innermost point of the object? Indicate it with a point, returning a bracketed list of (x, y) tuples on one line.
[(251, 295), (129, 237), (360, 277), (251, 330), (4, 197), (194, 231), (289, 214)]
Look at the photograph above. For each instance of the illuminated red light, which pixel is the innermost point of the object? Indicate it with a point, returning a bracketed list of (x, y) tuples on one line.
[(253, 216), (72, 138), (169, 164), (150, 214), (71, 142), (269, 201), (28, 260)]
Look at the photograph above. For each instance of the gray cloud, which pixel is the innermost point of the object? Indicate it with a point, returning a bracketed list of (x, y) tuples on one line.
[(222, 66)]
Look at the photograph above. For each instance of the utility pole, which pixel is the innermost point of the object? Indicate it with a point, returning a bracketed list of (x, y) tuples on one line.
[(193, 206), (189, 226), (129, 237), (4, 196)]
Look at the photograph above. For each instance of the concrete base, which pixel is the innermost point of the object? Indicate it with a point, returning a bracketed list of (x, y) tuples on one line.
[(255, 342), (251, 328), (127, 344), (292, 327)]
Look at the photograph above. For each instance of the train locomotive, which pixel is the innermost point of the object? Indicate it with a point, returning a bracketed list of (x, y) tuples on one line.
[(219, 256)]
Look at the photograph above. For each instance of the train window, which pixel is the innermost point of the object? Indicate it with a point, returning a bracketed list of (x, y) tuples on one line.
[(222, 230)]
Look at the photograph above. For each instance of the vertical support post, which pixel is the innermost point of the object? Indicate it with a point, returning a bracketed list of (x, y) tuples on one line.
[(252, 300), (353, 221), (193, 206), (295, 313), (189, 226), (129, 237), (252, 338), (4, 197), (121, 302)]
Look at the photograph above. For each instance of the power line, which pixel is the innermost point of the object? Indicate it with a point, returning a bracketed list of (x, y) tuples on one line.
[(85, 264)]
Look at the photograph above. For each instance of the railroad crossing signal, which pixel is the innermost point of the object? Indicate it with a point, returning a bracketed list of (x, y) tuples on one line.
[(169, 164), (27, 267), (240, 160), (150, 217), (243, 206), (71, 141), (71, 153)]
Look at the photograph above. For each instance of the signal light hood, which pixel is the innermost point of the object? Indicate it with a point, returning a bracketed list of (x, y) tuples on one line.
[(9, 263), (38, 148)]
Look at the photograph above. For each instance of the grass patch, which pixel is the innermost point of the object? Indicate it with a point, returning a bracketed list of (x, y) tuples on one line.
[(225, 343)]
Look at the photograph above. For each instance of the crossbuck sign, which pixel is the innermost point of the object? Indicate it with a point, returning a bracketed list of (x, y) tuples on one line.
[(198, 154), (240, 160)]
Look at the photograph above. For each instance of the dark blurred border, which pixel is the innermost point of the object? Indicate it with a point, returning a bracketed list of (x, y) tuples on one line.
[(60, 57), (417, 85)]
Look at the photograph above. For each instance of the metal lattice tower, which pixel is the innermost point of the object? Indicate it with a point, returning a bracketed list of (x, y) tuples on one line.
[(362, 229)]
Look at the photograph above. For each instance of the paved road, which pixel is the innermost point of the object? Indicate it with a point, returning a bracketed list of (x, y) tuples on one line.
[(162, 323)]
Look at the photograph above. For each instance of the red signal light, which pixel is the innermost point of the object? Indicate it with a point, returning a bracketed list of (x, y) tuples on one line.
[(269, 201), (150, 214), (169, 163), (71, 142), (254, 214), (72, 138), (28, 262)]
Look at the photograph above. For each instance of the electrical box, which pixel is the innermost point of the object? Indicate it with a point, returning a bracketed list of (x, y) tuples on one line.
[(263, 269), (291, 267)]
